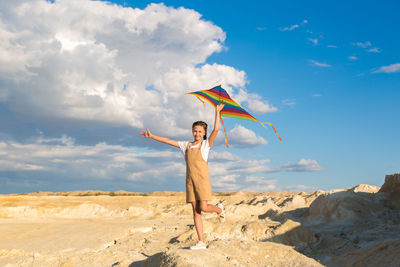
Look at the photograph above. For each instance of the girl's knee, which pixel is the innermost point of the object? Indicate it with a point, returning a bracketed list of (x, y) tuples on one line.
[(203, 207), (197, 214), (196, 209)]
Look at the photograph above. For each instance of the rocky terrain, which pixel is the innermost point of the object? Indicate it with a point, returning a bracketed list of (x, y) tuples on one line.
[(358, 226)]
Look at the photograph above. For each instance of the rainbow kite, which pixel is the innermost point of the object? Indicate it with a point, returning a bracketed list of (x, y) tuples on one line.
[(231, 109)]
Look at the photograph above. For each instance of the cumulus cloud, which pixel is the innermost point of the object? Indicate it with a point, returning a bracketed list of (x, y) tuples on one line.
[(223, 156), (240, 136), (255, 103), (226, 183), (99, 72), (303, 165), (260, 107), (102, 161), (320, 64), (388, 69), (94, 61), (60, 164), (259, 184)]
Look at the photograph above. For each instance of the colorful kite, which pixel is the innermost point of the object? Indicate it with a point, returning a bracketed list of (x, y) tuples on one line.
[(231, 109)]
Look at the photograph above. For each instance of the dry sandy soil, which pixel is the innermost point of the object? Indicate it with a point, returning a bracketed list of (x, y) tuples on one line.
[(359, 226)]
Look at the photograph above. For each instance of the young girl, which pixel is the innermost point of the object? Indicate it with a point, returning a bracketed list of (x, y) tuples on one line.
[(198, 188)]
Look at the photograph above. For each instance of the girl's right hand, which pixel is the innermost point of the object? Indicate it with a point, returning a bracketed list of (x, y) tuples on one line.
[(219, 107), (146, 134)]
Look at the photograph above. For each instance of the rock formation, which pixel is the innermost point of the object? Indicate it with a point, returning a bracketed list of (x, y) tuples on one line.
[(358, 226), (391, 187)]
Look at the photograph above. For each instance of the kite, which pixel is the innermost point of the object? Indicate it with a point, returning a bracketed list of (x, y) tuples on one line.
[(231, 109)]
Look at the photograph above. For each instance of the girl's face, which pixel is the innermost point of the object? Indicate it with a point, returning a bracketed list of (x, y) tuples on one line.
[(198, 132)]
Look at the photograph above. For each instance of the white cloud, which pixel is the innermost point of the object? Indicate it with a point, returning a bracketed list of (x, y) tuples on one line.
[(226, 183), (290, 28), (316, 95), (55, 163), (374, 50), (260, 107), (332, 46), (98, 162), (259, 184), (367, 46), (60, 161), (362, 44), (302, 165), (314, 41), (389, 69), (223, 156), (91, 60), (289, 102), (240, 136), (294, 26), (320, 64), (9, 165), (240, 166), (300, 188), (255, 103), (352, 58)]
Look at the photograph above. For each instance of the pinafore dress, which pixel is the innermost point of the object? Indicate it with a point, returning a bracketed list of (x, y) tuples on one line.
[(198, 185)]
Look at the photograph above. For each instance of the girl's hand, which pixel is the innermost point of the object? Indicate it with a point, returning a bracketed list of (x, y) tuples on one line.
[(146, 134), (219, 107)]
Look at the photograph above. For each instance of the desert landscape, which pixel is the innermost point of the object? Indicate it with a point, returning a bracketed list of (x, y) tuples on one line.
[(358, 226)]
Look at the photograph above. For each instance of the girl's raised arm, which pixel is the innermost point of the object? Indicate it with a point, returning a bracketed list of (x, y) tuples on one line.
[(165, 140), (214, 133)]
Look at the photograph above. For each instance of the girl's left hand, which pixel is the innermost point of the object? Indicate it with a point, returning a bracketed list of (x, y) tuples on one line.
[(219, 107), (146, 134)]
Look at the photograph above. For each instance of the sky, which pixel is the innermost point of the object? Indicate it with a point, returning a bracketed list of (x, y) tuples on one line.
[(80, 79)]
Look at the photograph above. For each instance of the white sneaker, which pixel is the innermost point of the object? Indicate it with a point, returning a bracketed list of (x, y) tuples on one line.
[(199, 245), (222, 215)]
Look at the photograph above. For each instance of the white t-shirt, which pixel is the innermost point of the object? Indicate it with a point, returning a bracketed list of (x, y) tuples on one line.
[(205, 148)]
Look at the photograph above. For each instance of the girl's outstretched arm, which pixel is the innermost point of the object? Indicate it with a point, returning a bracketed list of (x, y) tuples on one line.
[(165, 140), (214, 133)]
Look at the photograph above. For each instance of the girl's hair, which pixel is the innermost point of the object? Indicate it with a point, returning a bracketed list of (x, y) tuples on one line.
[(203, 124)]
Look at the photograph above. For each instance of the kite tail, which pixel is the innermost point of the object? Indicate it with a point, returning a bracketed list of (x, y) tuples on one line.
[(226, 136), (204, 103), (262, 123)]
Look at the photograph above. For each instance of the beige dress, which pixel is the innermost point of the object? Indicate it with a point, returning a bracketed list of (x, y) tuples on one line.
[(198, 185)]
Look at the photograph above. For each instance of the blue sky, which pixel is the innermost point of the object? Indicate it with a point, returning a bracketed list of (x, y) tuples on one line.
[(74, 92)]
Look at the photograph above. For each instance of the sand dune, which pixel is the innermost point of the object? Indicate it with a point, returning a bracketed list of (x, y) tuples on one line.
[(355, 226)]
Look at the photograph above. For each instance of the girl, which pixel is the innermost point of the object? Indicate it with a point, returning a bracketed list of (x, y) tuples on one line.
[(198, 188)]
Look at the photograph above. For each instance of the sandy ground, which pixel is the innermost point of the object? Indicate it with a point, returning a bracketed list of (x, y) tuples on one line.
[(336, 228)]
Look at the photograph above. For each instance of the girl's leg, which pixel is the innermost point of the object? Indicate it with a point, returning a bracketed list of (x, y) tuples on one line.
[(204, 206), (198, 223)]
